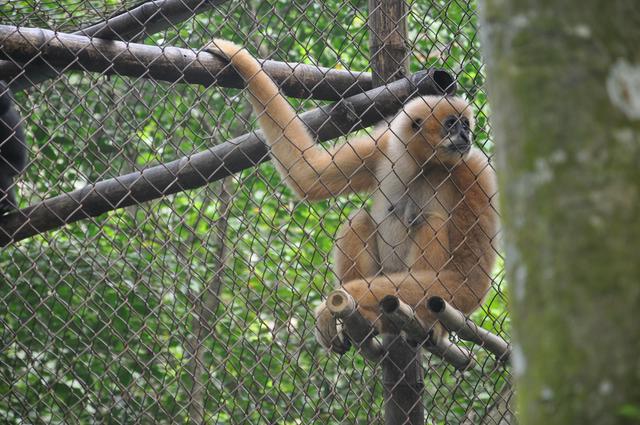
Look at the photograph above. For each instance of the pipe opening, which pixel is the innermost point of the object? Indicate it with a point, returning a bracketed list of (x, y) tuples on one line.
[(337, 300), (390, 304), (436, 304), (444, 81)]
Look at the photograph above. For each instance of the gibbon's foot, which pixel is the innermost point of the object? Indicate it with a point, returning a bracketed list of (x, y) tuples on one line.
[(328, 333)]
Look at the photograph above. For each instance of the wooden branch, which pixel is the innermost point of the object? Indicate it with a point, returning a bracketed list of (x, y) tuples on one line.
[(402, 372), (148, 18), (402, 382), (403, 317), (143, 20), (207, 304), (227, 158), (359, 330), (171, 64), (455, 321)]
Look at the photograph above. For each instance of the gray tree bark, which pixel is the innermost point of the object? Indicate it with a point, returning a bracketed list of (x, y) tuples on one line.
[(564, 87)]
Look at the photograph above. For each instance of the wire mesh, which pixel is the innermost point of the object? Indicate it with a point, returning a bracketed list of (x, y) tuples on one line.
[(198, 306)]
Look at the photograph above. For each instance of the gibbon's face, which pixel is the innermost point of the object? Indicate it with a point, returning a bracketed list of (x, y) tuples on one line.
[(439, 128)]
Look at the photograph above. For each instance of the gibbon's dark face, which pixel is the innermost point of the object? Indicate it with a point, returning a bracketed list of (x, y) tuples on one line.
[(456, 134), (438, 129)]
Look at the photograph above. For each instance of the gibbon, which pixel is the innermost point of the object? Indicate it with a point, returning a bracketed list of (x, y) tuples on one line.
[(431, 225), (13, 149)]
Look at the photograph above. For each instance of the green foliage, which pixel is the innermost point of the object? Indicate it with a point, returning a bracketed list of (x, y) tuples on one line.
[(99, 317)]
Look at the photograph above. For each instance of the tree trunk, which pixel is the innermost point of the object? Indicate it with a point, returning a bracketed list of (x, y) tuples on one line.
[(388, 40), (564, 84), (402, 373)]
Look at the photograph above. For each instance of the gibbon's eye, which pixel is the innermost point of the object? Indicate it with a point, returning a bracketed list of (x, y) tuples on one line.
[(450, 122), (465, 122), (416, 124)]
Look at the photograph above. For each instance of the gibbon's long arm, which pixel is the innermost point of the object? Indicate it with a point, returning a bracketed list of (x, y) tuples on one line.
[(311, 171)]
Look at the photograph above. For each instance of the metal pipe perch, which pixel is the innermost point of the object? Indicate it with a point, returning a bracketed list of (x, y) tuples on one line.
[(359, 330), (404, 318), (455, 321)]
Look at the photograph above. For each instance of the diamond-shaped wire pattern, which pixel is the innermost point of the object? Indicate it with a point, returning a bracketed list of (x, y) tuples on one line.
[(199, 306)]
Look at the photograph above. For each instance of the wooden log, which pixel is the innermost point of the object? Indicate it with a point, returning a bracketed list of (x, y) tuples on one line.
[(455, 321), (172, 64), (204, 167), (148, 18), (359, 330), (402, 381), (402, 316), (143, 20)]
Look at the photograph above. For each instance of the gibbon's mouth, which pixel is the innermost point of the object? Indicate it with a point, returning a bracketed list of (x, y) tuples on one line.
[(461, 148)]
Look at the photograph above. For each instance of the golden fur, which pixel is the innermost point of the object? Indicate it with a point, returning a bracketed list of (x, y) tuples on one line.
[(444, 249)]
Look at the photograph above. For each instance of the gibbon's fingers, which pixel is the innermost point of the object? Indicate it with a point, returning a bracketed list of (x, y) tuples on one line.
[(328, 333)]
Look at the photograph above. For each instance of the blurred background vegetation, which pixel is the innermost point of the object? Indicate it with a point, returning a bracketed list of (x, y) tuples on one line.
[(108, 320)]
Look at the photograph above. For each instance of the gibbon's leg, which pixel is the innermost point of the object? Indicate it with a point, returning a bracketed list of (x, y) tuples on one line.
[(13, 149), (356, 252), (429, 244), (414, 288), (356, 257), (429, 250)]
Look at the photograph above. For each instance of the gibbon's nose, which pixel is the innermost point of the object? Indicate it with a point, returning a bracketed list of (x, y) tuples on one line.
[(460, 142)]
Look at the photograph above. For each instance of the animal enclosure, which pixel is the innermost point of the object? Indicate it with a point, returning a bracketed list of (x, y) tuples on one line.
[(158, 270)]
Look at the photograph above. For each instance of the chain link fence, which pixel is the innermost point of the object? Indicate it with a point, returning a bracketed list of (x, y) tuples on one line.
[(156, 271)]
